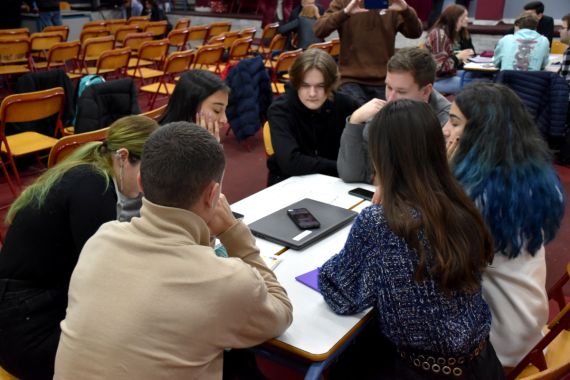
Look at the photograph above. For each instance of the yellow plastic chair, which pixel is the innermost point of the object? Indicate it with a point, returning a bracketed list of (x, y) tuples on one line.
[(61, 29), (229, 38), (91, 50), (284, 62), (122, 32), (217, 28), (178, 38), (558, 47), (537, 365), (5, 375), (176, 63), (326, 46), (182, 23), (247, 32), (59, 55), (67, 144), (155, 113), (198, 33), (112, 61), (134, 41), (269, 31), (267, 140), (150, 52), (30, 106), (14, 34), (94, 24), (277, 44), (93, 33), (209, 57), (41, 42), (335, 49), (15, 56), (156, 28), (113, 25)]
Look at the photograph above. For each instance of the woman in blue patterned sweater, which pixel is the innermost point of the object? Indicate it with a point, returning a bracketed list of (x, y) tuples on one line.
[(418, 255)]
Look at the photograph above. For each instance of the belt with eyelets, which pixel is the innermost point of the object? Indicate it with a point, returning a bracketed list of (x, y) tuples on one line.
[(441, 365)]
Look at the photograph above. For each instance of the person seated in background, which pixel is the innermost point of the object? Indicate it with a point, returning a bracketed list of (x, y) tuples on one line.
[(307, 121), (303, 27), (201, 97), (450, 44), (417, 255), (545, 23), (525, 50), (410, 75), (500, 158), (150, 299), (48, 224)]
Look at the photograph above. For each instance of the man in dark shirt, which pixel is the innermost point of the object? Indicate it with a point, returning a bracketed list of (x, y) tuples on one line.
[(545, 23)]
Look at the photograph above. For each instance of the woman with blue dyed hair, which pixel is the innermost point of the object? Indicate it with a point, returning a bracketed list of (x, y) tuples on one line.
[(498, 155)]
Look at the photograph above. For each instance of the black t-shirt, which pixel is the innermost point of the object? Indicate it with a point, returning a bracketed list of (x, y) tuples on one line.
[(42, 244)]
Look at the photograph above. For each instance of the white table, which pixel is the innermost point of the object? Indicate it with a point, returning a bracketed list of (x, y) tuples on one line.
[(316, 334), (553, 65)]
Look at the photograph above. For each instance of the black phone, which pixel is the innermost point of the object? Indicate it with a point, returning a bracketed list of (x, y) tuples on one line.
[(303, 218), (362, 193), (237, 215), (376, 4)]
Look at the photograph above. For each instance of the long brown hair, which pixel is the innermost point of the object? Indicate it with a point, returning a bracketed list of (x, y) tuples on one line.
[(407, 149), (448, 21)]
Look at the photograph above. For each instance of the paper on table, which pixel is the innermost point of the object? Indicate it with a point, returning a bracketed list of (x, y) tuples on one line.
[(479, 59), (311, 279)]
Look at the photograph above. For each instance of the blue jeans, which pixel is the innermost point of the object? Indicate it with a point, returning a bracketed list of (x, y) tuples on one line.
[(362, 92), (449, 86), (50, 18)]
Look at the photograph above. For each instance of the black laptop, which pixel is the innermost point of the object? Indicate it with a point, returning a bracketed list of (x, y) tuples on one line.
[(279, 228)]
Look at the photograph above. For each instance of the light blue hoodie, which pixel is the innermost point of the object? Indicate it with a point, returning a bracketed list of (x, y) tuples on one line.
[(526, 50)]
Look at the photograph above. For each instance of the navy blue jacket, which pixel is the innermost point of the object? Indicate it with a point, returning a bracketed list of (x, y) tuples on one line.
[(545, 95), (249, 98)]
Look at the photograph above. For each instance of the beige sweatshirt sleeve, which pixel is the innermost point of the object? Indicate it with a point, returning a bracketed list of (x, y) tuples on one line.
[(272, 311)]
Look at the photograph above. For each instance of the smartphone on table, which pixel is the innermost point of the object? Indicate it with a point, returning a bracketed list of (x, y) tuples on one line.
[(362, 193), (303, 218), (376, 4)]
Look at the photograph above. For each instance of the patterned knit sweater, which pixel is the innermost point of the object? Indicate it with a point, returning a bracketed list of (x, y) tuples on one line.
[(376, 268)]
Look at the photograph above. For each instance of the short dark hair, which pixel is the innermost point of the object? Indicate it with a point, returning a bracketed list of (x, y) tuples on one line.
[(191, 90), (315, 59), (178, 162), (527, 20), (418, 62), (567, 19), (536, 6)]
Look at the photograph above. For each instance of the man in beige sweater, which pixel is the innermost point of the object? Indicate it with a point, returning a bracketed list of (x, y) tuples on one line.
[(150, 299)]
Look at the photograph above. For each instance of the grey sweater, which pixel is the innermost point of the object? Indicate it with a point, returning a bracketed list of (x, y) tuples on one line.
[(353, 163)]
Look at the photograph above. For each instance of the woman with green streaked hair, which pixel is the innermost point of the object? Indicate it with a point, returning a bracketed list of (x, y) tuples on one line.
[(47, 227)]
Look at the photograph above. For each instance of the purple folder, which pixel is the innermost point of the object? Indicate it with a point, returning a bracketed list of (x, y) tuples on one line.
[(311, 279)]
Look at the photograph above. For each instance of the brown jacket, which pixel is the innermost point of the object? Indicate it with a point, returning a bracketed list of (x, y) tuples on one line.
[(367, 39), (150, 299)]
